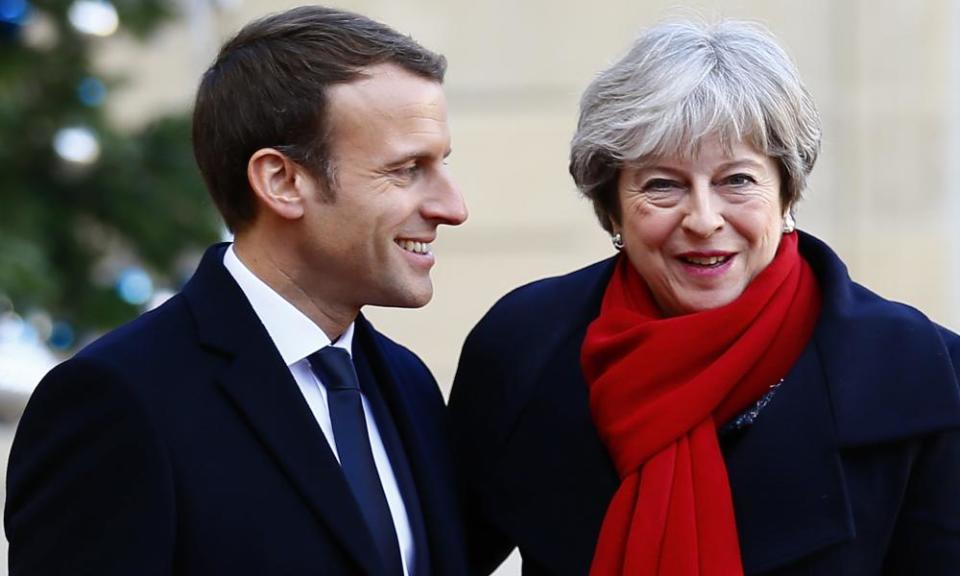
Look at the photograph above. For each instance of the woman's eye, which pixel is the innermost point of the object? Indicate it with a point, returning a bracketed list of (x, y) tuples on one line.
[(739, 180), (660, 185)]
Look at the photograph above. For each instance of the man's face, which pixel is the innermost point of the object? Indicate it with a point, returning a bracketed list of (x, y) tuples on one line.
[(372, 243)]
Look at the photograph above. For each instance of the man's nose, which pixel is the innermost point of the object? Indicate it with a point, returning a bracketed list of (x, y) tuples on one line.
[(446, 204)]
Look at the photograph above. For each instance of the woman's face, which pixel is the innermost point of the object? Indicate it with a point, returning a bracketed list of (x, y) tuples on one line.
[(699, 230)]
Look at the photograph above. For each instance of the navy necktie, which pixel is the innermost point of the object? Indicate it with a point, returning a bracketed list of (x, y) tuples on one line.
[(337, 373)]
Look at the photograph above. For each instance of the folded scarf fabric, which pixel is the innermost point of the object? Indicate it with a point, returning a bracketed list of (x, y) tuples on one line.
[(659, 387)]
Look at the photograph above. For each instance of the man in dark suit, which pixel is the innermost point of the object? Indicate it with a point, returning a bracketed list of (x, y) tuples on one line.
[(256, 423)]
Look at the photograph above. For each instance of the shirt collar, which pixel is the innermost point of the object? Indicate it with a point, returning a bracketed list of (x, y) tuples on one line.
[(294, 335)]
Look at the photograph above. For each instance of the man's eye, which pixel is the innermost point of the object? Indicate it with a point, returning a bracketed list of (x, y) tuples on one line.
[(739, 180), (408, 171)]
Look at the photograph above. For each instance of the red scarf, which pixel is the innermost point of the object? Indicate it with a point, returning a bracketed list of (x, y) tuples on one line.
[(659, 387)]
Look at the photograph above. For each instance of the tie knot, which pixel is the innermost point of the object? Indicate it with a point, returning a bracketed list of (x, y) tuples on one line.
[(335, 368)]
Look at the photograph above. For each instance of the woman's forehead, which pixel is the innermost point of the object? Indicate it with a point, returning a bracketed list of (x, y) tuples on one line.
[(716, 147)]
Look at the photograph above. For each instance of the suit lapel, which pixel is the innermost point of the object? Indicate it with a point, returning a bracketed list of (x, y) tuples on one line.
[(259, 385), (428, 465), (399, 462), (279, 416)]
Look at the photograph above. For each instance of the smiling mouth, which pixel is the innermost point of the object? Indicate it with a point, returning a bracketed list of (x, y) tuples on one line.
[(421, 248), (706, 261)]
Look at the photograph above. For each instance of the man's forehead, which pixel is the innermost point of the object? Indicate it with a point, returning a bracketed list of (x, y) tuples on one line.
[(386, 99), (386, 88)]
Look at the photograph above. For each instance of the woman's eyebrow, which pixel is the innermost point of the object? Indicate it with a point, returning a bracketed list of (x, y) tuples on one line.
[(745, 163)]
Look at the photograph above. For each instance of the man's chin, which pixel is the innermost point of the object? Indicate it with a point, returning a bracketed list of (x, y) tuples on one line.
[(417, 297)]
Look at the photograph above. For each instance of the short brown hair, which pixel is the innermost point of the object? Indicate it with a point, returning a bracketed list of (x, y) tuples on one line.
[(267, 88)]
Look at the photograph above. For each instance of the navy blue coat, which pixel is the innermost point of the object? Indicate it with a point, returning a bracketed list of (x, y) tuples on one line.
[(180, 444), (852, 469)]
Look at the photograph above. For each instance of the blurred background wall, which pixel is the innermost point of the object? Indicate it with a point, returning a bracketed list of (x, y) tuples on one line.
[(885, 193)]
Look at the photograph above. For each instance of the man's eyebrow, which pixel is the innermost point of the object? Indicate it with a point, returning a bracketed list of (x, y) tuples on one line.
[(416, 154)]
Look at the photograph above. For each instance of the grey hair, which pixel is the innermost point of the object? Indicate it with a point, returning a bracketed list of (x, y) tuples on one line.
[(681, 82)]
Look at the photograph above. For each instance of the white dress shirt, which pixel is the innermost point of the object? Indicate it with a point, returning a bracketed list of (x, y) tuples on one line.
[(297, 337)]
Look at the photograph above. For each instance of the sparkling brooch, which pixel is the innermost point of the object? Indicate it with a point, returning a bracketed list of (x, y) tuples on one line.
[(747, 418)]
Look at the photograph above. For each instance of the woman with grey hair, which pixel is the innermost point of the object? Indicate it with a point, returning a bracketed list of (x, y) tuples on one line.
[(718, 398)]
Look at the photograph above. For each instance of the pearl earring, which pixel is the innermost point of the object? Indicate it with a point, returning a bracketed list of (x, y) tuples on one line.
[(789, 224), (617, 241)]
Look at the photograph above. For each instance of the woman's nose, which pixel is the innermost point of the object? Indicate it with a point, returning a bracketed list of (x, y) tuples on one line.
[(703, 215)]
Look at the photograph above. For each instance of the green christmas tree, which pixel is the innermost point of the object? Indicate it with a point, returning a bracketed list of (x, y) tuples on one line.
[(74, 190)]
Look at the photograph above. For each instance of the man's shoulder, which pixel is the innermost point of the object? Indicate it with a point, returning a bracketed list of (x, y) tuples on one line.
[(125, 363), (172, 329), (124, 371), (152, 336)]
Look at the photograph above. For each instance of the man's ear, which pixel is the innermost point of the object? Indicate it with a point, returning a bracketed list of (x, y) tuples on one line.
[(277, 181)]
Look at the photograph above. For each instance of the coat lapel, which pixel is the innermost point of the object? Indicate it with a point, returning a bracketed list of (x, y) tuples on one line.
[(789, 490), (420, 434), (259, 385), (851, 387), (877, 357), (371, 385), (279, 416)]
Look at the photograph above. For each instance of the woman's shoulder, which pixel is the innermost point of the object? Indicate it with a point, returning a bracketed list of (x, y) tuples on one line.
[(952, 342), (524, 329), (504, 355), (898, 321), (848, 305), (557, 299), (904, 332), (892, 371)]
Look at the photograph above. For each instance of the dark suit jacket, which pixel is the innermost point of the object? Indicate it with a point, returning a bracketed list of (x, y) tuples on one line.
[(852, 469), (180, 444)]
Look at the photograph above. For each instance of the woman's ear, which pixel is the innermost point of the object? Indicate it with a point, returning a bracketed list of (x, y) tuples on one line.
[(277, 183), (614, 222)]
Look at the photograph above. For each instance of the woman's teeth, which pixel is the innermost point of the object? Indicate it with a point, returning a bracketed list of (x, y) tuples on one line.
[(706, 261), (415, 247)]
